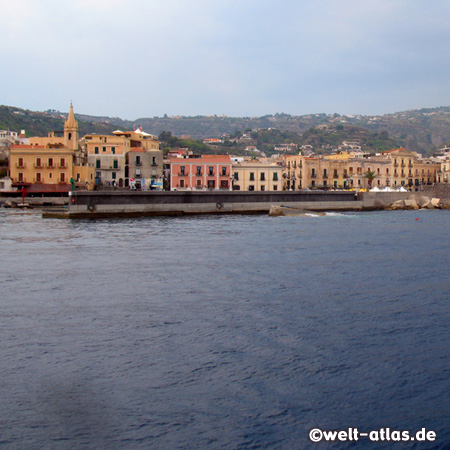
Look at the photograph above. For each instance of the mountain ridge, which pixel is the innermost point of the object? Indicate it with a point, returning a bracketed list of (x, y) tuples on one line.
[(423, 130)]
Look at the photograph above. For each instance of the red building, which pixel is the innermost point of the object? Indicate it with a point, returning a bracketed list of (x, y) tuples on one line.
[(200, 172)]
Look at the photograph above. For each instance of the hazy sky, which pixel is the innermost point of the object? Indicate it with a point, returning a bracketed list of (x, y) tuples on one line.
[(145, 58)]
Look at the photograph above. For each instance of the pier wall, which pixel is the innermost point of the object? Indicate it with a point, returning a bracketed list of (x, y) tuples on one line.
[(91, 204)]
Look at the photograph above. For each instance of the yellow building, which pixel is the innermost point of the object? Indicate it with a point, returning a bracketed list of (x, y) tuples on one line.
[(50, 164), (257, 176)]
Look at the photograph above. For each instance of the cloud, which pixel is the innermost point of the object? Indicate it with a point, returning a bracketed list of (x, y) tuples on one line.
[(136, 58)]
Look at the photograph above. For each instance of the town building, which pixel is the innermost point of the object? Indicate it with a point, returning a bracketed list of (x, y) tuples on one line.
[(257, 176), (107, 153), (52, 164), (200, 172), (348, 170), (144, 169)]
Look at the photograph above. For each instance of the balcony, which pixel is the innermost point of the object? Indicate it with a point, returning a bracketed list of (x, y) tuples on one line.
[(36, 181), (21, 165), (51, 166), (313, 175), (182, 174), (38, 165), (62, 166)]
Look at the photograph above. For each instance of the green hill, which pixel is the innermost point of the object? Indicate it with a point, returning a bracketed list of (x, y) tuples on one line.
[(423, 130)]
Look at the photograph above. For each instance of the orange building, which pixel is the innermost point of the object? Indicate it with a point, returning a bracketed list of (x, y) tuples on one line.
[(49, 164), (200, 172)]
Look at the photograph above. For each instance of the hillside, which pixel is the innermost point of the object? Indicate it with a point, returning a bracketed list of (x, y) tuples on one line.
[(41, 123), (423, 130)]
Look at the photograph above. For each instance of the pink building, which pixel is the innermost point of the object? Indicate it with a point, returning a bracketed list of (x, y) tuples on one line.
[(200, 172)]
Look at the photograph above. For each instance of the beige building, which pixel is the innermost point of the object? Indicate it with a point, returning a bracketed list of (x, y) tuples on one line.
[(107, 154), (257, 176), (144, 169), (394, 168)]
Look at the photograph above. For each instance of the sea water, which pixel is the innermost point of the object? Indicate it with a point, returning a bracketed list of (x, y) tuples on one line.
[(223, 332)]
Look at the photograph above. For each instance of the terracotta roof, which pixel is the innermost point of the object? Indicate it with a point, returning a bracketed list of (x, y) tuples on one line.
[(394, 150), (27, 146), (206, 159), (137, 149)]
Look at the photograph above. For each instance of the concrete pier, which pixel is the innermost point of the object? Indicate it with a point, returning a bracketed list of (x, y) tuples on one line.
[(127, 203)]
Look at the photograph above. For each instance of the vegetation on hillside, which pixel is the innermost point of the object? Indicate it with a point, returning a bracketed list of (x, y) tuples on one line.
[(423, 130)]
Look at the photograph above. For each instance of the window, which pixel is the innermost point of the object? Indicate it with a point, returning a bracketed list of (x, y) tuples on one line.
[(211, 170), (324, 183), (50, 162), (223, 184), (275, 187), (62, 162), (97, 164), (263, 188), (38, 162), (262, 177), (275, 177), (62, 177), (324, 172), (153, 160), (251, 188), (20, 177), (335, 173), (313, 172), (113, 150), (113, 175), (236, 176), (115, 164), (138, 173), (38, 178), (182, 170), (199, 171), (313, 183), (199, 184), (50, 175), (181, 183), (96, 150), (224, 171), (138, 160), (104, 149), (252, 176)]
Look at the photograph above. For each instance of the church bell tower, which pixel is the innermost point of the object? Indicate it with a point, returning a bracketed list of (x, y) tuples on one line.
[(71, 130)]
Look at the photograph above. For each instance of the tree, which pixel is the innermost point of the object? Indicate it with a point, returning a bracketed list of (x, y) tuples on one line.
[(370, 177)]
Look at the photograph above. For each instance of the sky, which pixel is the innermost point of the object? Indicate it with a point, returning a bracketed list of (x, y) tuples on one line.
[(146, 58)]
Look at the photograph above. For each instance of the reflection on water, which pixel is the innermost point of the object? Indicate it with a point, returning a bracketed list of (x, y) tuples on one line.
[(222, 331)]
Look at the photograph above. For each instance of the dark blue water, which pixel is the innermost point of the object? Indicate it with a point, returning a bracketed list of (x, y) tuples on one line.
[(231, 332)]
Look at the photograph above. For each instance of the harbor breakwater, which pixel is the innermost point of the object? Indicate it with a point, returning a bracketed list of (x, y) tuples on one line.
[(99, 204)]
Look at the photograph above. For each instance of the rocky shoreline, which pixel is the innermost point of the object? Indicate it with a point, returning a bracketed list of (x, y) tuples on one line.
[(416, 201)]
